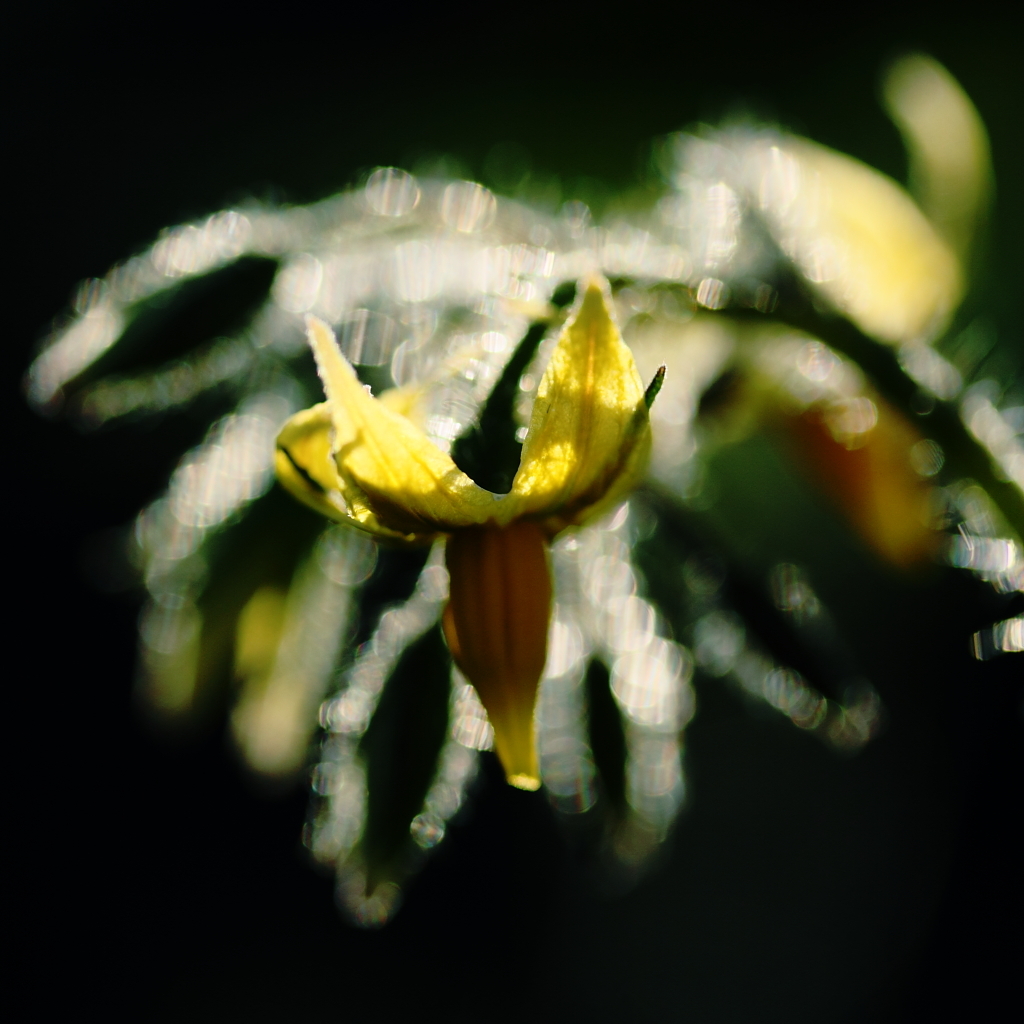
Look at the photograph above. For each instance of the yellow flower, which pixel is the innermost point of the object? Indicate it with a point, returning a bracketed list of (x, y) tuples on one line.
[(358, 460), (860, 240)]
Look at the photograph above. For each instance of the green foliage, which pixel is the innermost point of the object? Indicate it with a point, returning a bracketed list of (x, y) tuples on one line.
[(488, 451), (400, 749), (607, 736), (175, 322)]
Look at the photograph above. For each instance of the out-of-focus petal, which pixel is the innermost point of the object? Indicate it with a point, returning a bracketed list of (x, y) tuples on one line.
[(858, 238), (286, 650), (589, 434), (950, 160), (405, 401)]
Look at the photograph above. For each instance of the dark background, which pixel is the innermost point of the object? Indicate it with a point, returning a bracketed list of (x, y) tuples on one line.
[(151, 876)]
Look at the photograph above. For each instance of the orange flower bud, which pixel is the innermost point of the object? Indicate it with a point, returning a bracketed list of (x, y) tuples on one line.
[(870, 476), (496, 625)]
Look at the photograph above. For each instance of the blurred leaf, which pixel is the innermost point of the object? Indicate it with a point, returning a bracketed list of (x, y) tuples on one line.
[(175, 322), (400, 749), (607, 736)]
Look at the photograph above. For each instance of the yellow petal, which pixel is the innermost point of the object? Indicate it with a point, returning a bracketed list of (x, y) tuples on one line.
[(950, 161), (589, 433), (406, 401), (306, 468), (407, 482), (496, 625), (304, 464), (860, 239)]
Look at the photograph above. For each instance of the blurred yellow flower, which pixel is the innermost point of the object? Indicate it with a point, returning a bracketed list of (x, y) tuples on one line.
[(359, 460), (950, 160), (860, 241)]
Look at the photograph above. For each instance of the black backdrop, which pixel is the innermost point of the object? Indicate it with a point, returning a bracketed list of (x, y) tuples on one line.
[(149, 875)]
